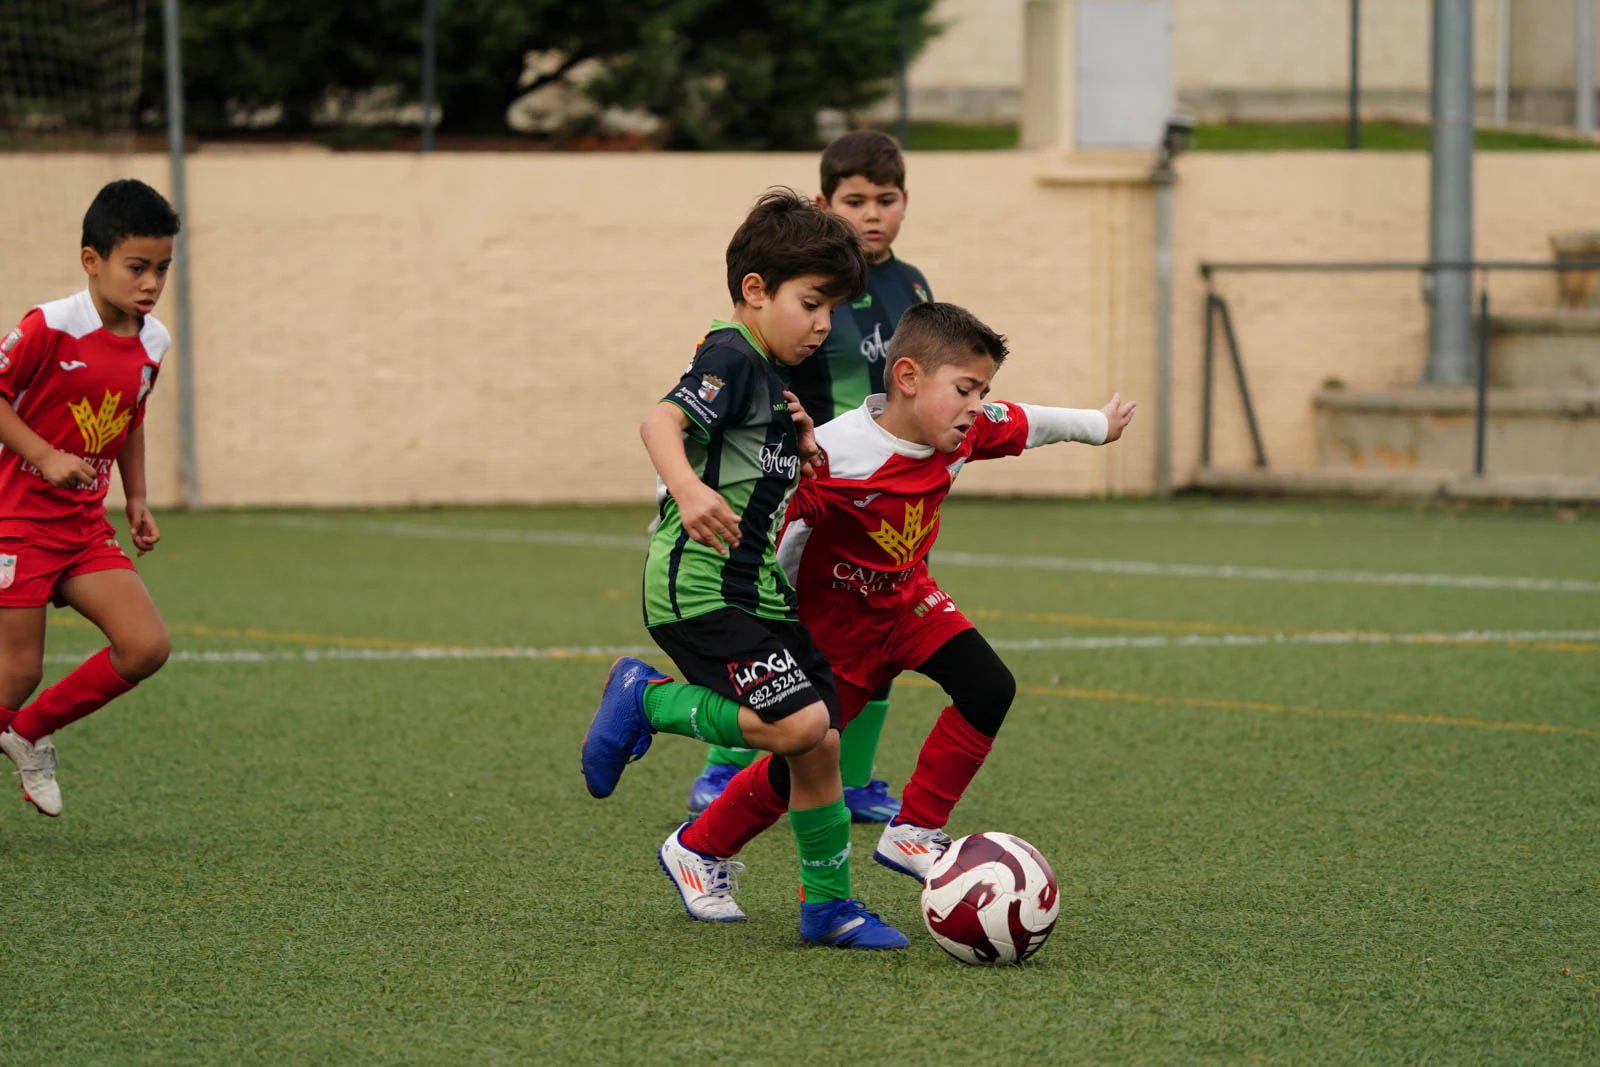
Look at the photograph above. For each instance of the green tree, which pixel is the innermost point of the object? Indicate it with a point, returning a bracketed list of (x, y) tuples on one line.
[(733, 74), (241, 56), (720, 73)]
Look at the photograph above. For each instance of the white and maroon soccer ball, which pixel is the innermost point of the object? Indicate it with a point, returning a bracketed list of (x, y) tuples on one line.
[(991, 898)]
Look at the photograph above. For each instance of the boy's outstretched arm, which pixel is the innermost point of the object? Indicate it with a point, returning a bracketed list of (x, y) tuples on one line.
[(706, 516), (1046, 426), (130, 462)]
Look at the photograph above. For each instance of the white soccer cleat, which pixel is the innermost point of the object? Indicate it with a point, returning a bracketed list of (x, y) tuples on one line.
[(36, 767), (705, 884), (911, 850)]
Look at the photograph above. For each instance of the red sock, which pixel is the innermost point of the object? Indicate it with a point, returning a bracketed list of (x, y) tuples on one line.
[(748, 806), (87, 689), (950, 757), (6, 715)]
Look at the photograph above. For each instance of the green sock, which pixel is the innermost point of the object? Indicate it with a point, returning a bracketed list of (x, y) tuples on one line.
[(823, 835), (858, 745), (739, 757), (693, 711)]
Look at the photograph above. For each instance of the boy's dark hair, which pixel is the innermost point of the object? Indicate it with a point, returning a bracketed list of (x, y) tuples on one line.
[(874, 156), (124, 209), (935, 333), (786, 236)]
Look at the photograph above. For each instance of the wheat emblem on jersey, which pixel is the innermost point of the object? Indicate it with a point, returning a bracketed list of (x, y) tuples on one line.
[(902, 544), (100, 428)]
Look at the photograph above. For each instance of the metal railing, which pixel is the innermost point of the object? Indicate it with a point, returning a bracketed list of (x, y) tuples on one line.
[(1218, 314)]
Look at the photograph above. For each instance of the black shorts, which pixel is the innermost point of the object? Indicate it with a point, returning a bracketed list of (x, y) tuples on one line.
[(770, 666)]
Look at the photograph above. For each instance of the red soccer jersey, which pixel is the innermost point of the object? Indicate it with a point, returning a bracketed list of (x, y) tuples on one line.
[(856, 539), (83, 389)]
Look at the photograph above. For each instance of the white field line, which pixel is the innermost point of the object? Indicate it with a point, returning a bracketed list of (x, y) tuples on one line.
[(1468, 637), (594, 652), (442, 532), (1232, 572), (1140, 568), (386, 655)]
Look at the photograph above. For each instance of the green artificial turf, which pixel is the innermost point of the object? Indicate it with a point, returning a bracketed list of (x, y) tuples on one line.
[(1298, 848)]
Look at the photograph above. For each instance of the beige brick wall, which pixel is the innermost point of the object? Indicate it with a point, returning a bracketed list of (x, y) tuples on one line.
[(981, 46), (1304, 44), (389, 329), (1366, 330), (1274, 46)]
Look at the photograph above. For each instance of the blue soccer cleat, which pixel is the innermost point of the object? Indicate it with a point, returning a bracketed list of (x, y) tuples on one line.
[(709, 786), (871, 802), (619, 733), (847, 924)]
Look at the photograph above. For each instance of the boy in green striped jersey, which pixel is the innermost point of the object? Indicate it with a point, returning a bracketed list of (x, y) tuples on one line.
[(729, 444), (863, 175)]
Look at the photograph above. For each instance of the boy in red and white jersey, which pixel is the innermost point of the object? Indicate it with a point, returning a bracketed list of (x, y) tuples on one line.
[(74, 378), (855, 547)]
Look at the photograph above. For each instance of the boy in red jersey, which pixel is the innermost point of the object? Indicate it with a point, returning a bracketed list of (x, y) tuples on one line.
[(74, 376), (855, 547)]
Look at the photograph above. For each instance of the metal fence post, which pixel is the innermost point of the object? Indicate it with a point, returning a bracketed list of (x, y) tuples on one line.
[(430, 65), (1450, 207), (188, 461), (903, 78), (1207, 358), (1584, 75), (1481, 415), (1355, 76), (1164, 178)]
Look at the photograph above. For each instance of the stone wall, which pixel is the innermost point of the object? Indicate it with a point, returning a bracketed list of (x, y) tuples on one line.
[(1277, 58), (389, 329)]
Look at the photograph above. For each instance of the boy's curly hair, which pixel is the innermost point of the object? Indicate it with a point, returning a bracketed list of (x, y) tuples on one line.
[(786, 236)]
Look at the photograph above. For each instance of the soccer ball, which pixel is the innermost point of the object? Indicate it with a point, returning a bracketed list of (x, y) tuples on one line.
[(991, 898)]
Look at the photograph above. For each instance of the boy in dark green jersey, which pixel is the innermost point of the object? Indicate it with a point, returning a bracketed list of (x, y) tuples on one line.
[(863, 180), (729, 444)]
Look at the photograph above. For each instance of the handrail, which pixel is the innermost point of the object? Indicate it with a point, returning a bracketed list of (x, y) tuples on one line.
[(1219, 313), (1370, 266)]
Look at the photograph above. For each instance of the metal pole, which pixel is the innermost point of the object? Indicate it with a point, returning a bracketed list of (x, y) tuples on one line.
[(1207, 359), (1502, 64), (1355, 75), (1164, 178), (1585, 66), (1481, 415), (430, 63), (1450, 208), (1250, 421), (188, 464), (903, 80)]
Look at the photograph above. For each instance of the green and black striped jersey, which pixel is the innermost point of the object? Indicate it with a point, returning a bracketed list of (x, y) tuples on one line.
[(848, 367), (741, 441)]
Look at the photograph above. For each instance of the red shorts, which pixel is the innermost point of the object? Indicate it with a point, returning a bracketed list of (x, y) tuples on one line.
[(876, 655), (31, 576)]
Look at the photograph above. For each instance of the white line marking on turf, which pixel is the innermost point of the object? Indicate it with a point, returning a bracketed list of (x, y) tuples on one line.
[(1140, 568), (600, 652), (441, 532), (385, 655), (1232, 572), (1469, 637)]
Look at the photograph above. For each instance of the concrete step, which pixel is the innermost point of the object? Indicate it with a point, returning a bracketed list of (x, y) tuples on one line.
[(1430, 428), (1546, 349), (1403, 485)]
